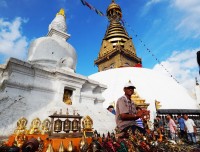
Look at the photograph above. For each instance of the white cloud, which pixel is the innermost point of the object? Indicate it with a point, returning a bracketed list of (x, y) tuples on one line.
[(182, 66), (149, 5), (152, 2), (190, 22), (12, 42)]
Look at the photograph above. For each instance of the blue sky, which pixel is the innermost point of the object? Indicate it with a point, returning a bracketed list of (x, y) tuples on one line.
[(170, 29)]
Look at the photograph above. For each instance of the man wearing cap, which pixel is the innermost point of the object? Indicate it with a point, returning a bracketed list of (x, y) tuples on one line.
[(126, 112)]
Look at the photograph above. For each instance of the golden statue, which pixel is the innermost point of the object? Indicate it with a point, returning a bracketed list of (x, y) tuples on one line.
[(20, 139), (46, 126), (87, 123), (35, 126), (67, 97), (21, 126)]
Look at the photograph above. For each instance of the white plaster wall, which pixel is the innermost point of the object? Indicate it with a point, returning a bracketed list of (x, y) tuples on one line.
[(36, 91)]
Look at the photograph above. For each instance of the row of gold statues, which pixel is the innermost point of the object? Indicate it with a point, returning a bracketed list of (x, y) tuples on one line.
[(59, 125), (35, 127)]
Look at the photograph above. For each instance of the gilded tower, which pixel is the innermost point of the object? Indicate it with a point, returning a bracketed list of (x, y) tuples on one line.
[(117, 49)]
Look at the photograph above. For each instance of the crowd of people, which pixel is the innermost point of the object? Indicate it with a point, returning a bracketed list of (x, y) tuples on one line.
[(128, 116), (183, 127)]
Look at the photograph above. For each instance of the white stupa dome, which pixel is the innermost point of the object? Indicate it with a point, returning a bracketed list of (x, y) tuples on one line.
[(53, 50), (150, 85)]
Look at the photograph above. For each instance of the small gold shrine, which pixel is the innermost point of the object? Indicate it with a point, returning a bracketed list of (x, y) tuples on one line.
[(139, 101)]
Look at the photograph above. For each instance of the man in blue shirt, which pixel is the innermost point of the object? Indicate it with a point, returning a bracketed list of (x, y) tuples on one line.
[(182, 126), (111, 109)]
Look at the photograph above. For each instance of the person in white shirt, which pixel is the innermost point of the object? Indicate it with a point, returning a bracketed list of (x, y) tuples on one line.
[(190, 128)]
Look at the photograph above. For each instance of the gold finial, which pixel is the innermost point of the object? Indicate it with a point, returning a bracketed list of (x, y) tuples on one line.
[(50, 148), (82, 143), (61, 12), (61, 148), (70, 147), (157, 104)]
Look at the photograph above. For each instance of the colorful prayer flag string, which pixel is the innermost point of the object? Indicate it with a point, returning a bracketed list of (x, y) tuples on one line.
[(92, 7), (153, 55)]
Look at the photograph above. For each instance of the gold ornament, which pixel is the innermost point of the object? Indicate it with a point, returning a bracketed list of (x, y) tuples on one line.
[(46, 126), (61, 12), (35, 126), (50, 148), (87, 123), (70, 147), (67, 97), (82, 143), (21, 126), (20, 140), (61, 148)]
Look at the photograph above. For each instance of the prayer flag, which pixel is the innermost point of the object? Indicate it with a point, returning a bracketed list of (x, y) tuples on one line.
[(99, 12), (83, 2), (88, 5)]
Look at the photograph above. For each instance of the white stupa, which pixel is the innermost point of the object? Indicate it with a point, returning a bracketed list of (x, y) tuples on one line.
[(37, 87), (43, 50), (150, 85)]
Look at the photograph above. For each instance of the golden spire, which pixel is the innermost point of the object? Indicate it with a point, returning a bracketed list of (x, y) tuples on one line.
[(116, 43), (61, 12)]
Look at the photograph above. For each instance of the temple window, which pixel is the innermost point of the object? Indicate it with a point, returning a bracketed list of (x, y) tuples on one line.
[(67, 96)]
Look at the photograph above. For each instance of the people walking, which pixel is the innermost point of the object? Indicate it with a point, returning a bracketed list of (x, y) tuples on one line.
[(190, 128)]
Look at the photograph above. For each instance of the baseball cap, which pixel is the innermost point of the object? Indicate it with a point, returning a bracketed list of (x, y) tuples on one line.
[(129, 84)]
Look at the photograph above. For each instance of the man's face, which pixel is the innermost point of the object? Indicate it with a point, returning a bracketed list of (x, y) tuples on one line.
[(168, 117), (185, 117), (129, 91), (110, 109)]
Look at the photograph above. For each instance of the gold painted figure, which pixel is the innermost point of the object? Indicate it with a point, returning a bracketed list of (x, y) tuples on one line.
[(21, 126), (46, 126), (67, 97), (35, 126), (87, 123)]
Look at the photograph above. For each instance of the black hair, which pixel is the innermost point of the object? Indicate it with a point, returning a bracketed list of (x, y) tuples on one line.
[(110, 106)]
